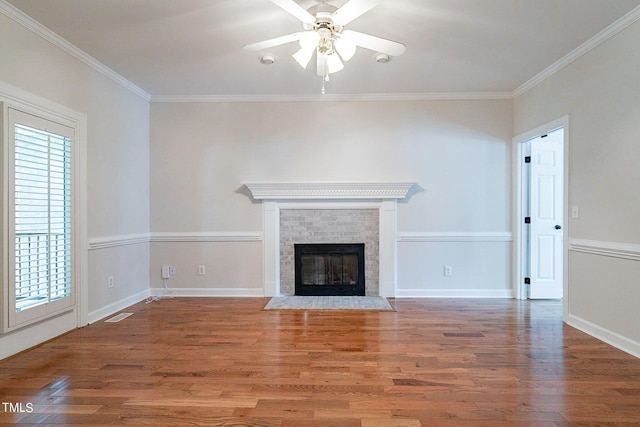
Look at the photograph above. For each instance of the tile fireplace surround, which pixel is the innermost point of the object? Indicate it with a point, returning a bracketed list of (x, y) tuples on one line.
[(377, 202), (329, 226)]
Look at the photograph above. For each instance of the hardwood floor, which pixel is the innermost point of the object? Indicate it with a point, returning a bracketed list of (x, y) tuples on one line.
[(226, 362)]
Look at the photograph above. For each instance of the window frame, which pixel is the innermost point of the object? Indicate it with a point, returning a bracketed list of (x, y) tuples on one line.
[(26, 102), (50, 308)]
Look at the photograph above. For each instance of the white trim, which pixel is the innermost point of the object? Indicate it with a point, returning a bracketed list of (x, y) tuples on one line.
[(208, 292), (96, 243), (608, 249), (23, 339), (454, 293), (35, 104), (346, 205), (271, 248), (581, 50), (116, 241), (112, 308), (29, 23), (328, 190), (620, 342), (388, 248), (354, 97), (459, 236), (218, 236)]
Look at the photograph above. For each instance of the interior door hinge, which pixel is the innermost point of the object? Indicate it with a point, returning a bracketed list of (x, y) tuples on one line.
[(527, 220), (527, 280), (527, 159)]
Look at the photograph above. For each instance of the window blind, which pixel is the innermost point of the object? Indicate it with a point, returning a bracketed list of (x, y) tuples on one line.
[(42, 203)]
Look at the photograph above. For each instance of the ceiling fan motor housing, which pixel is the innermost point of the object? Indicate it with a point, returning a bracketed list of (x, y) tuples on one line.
[(323, 20)]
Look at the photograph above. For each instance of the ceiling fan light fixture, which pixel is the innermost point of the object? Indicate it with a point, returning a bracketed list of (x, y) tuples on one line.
[(334, 64), (304, 55), (328, 64), (308, 39), (345, 48)]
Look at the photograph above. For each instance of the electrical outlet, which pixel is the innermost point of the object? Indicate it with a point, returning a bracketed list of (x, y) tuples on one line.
[(202, 270), (172, 270), (448, 270), (165, 272), (110, 281)]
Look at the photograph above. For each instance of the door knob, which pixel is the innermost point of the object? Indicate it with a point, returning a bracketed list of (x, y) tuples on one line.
[(558, 227)]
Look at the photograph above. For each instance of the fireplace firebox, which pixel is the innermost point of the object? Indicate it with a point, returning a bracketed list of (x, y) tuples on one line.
[(329, 269)]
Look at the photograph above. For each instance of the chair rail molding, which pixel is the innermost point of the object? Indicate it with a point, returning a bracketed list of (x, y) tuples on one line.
[(455, 236), (609, 249)]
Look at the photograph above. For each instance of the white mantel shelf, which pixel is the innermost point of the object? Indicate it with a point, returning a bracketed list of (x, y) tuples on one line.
[(328, 190)]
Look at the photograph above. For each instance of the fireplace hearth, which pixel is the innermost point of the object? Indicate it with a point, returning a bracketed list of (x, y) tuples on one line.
[(329, 269)]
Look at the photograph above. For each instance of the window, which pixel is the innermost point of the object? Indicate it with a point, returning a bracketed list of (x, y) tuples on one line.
[(40, 218)]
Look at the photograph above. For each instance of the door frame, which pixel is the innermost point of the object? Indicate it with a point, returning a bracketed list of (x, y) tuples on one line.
[(519, 194)]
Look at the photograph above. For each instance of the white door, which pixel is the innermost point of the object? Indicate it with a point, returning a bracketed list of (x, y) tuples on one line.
[(546, 216)]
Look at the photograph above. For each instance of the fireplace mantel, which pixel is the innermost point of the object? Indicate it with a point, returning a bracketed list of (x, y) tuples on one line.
[(328, 190), (382, 196)]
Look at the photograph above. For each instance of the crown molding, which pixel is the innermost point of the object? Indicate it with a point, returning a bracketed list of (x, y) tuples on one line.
[(595, 41), (328, 190), (354, 97), (29, 23)]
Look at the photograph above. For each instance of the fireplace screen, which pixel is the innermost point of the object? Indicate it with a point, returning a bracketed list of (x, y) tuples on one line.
[(329, 269)]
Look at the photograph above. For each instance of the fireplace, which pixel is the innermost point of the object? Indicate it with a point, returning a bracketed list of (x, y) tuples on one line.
[(329, 227), (283, 227), (329, 269)]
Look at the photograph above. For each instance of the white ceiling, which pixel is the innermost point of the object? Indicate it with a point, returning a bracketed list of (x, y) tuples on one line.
[(194, 47)]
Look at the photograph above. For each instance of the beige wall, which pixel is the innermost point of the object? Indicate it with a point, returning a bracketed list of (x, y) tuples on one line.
[(117, 165), (118, 125), (600, 92), (458, 153)]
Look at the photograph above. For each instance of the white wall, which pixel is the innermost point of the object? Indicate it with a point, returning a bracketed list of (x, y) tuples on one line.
[(458, 152), (601, 92), (117, 165)]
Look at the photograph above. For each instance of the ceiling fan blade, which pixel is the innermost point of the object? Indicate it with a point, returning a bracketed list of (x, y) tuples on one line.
[(352, 10), (265, 44), (296, 10), (376, 44)]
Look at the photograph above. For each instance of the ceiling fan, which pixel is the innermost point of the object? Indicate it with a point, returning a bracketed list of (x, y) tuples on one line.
[(325, 35)]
